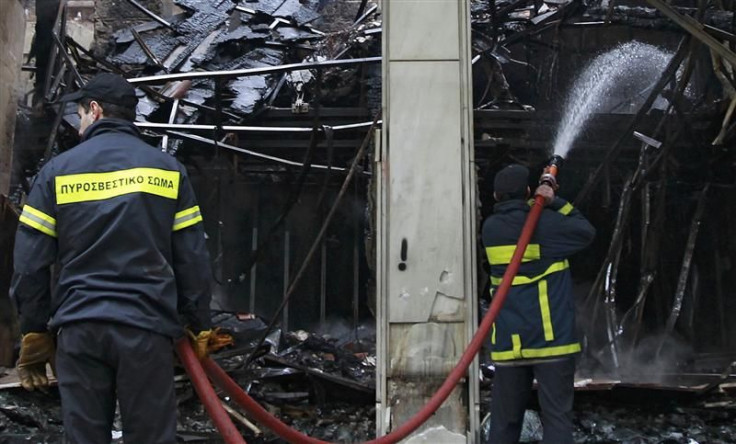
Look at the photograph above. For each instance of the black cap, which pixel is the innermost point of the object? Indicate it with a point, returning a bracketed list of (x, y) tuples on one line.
[(108, 88), (512, 181)]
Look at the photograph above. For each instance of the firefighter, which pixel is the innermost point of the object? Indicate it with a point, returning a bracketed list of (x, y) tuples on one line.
[(120, 221), (534, 334)]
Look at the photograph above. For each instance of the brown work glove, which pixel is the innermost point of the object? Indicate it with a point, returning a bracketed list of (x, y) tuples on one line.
[(546, 192), (36, 349), (208, 341)]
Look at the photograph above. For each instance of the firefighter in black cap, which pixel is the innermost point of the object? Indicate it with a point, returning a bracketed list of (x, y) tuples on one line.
[(120, 219), (534, 334)]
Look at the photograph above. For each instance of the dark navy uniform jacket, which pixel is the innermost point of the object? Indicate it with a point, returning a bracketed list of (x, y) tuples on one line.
[(120, 220), (537, 320)]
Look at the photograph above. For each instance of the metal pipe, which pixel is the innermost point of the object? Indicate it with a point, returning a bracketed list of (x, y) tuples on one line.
[(172, 117), (253, 71), (323, 286), (241, 128), (287, 260), (254, 248), (356, 269), (245, 151)]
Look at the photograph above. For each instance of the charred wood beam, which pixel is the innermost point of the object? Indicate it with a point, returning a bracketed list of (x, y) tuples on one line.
[(695, 28), (253, 71), (155, 17), (151, 56), (59, 30), (724, 126), (70, 64), (361, 9), (719, 33)]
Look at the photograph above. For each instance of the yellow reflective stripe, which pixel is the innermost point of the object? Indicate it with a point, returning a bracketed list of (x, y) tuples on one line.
[(566, 209), (549, 334), (187, 218), (40, 214), (522, 280), (502, 254), (503, 356), (493, 334), (99, 186), (544, 352), (516, 346), (39, 220)]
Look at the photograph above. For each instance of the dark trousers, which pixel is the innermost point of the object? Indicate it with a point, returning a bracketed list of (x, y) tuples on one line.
[(98, 362), (512, 386)]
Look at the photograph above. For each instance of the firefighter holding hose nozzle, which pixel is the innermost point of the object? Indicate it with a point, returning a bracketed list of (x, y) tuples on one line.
[(534, 334)]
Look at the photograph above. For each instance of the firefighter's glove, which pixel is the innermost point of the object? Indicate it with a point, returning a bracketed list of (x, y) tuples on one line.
[(208, 341), (36, 349), (546, 192)]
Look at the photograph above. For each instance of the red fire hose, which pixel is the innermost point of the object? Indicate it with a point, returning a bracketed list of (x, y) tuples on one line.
[(220, 378), (206, 394)]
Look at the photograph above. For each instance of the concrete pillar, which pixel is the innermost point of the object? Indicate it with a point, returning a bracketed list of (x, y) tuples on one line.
[(426, 260), (12, 33)]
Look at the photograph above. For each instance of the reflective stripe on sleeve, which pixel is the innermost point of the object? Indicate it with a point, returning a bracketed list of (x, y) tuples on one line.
[(531, 353), (87, 187), (549, 334), (521, 280), (566, 209), (502, 254), (39, 220), (187, 218)]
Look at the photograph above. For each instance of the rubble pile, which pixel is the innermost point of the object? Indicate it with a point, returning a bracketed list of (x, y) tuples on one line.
[(227, 35)]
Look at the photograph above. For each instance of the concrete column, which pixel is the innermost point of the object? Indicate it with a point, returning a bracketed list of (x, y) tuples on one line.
[(12, 33), (426, 261)]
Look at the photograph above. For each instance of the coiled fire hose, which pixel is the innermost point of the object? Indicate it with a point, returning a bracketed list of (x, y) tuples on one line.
[(223, 380)]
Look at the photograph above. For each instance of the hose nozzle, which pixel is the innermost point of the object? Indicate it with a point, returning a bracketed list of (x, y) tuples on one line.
[(549, 176)]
